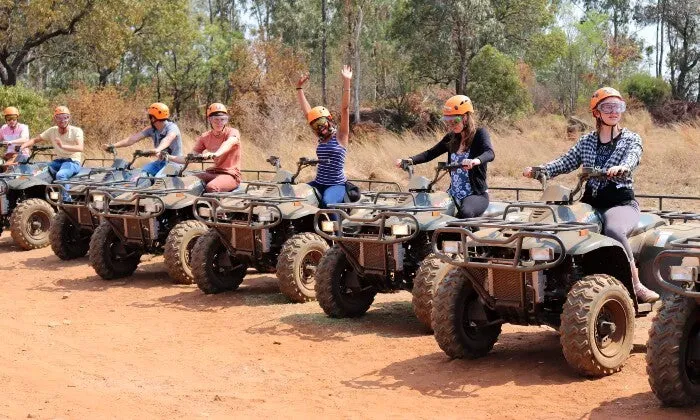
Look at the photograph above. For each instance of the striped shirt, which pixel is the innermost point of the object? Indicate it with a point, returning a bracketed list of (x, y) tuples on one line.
[(627, 152), (331, 168)]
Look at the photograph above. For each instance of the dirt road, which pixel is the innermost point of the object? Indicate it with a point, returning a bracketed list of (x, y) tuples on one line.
[(75, 346)]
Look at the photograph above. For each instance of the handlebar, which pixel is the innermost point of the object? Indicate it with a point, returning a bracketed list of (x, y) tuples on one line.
[(304, 162)]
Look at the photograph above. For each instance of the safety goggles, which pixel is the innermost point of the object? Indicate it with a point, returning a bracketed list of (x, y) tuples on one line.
[(452, 119), (319, 123), (62, 117), (11, 118), (219, 118), (612, 107)]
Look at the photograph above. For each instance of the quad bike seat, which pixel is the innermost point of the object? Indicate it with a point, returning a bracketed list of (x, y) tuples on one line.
[(647, 221), (495, 208)]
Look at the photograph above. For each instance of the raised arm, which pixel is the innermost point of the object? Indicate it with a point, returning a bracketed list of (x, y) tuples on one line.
[(301, 98), (344, 130)]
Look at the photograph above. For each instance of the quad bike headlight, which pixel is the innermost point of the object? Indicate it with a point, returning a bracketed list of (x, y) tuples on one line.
[(400, 229), (150, 207), (97, 198), (684, 273), (452, 247), (54, 195), (542, 254), (204, 211), (329, 226), (265, 216)]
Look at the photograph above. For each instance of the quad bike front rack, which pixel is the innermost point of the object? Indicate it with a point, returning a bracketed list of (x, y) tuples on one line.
[(681, 248), (210, 210), (675, 216), (518, 232)]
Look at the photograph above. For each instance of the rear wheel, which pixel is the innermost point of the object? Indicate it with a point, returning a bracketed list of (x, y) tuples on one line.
[(215, 270), (673, 351), (297, 264), (338, 289), (426, 282), (68, 241), (597, 325), (109, 256), (30, 223), (464, 328), (178, 249)]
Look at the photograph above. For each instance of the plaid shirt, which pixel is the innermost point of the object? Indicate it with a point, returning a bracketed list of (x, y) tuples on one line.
[(627, 153)]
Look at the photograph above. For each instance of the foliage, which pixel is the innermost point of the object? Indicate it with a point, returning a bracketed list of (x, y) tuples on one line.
[(33, 107), (650, 90), (495, 88)]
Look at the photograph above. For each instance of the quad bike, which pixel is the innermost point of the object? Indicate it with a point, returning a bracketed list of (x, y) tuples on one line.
[(74, 222), (269, 226), (379, 248), (23, 208), (153, 218), (673, 349), (546, 264)]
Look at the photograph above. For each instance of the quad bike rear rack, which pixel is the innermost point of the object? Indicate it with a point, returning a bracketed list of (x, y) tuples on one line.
[(673, 216), (681, 248), (209, 210), (519, 231)]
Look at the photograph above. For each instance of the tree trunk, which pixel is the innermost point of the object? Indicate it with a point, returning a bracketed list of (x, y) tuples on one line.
[(357, 70), (324, 63)]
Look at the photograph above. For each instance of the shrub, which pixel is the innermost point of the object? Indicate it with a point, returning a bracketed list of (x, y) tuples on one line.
[(32, 106), (652, 91), (495, 86)]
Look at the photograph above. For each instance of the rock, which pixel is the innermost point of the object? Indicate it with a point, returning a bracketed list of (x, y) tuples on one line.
[(53, 324), (276, 342), (66, 295), (217, 398)]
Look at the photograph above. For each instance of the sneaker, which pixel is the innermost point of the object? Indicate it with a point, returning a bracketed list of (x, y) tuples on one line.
[(645, 295)]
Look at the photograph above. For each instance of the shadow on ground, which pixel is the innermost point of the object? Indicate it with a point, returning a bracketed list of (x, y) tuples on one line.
[(386, 319), (642, 405)]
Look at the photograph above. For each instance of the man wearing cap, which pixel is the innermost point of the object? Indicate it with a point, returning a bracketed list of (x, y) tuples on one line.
[(13, 134), (165, 134), (67, 142)]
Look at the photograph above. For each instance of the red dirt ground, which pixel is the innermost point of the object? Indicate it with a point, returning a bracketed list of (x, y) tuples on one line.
[(75, 346)]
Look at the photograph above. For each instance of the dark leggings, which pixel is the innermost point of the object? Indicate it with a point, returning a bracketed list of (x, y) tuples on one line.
[(619, 221), (473, 205)]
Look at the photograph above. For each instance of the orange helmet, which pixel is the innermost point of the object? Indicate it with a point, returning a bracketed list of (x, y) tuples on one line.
[(318, 112), (61, 110), (458, 105), (216, 107), (159, 111), (11, 110), (603, 93)]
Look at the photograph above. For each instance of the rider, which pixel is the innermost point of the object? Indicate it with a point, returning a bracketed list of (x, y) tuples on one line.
[(468, 145), (165, 135), (330, 182), (13, 134), (617, 151), (67, 142), (223, 143)]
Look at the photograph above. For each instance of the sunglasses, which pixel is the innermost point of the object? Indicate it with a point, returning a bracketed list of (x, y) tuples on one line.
[(12, 118), (319, 123), (62, 118), (219, 118), (452, 119), (612, 107)]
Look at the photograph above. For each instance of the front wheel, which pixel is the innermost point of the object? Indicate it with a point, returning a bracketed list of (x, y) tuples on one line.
[(30, 223), (297, 264), (109, 256), (68, 241), (597, 325), (464, 328), (213, 268), (428, 278), (178, 250), (673, 352), (338, 289)]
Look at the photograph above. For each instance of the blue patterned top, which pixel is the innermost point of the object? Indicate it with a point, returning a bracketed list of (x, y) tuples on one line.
[(460, 186), (331, 168)]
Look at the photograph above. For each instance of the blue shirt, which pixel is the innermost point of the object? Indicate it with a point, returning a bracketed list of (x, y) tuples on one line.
[(460, 186), (331, 168), (175, 147)]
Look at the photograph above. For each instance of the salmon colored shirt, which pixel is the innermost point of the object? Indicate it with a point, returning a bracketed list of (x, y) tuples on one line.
[(228, 163)]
